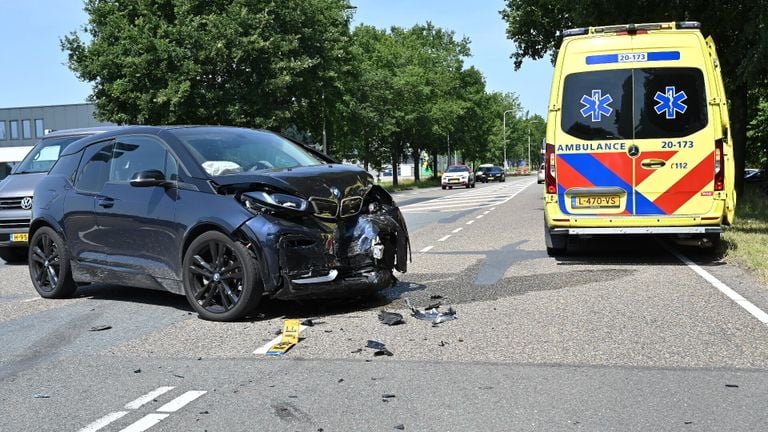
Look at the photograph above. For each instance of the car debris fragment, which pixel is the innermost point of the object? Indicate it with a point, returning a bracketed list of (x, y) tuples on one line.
[(41, 396), (291, 330), (100, 328), (432, 315), (391, 318), (381, 349)]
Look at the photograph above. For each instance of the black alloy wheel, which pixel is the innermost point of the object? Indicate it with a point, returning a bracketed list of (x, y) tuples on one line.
[(220, 277), (49, 265)]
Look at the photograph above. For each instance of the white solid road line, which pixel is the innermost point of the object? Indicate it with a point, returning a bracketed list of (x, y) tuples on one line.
[(444, 238), (145, 422), (263, 349), (136, 404), (457, 230), (181, 401), (426, 249), (100, 423), (725, 289)]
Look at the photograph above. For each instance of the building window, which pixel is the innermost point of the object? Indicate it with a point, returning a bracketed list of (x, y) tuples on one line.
[(14, 129), (39, 131), (26, 129), (2, 130)]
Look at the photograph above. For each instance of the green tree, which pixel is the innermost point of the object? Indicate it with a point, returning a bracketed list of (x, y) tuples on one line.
[(257, 63), (738, 28)]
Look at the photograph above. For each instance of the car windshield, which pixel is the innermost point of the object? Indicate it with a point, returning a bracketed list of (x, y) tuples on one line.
[(457, 169), (485, 169), (228, 151), (44, 155)]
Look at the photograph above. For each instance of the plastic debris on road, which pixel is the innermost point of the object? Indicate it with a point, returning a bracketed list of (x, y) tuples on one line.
[(432, 315), (381, 349), (100, 328), (291, 330), (391, 318)]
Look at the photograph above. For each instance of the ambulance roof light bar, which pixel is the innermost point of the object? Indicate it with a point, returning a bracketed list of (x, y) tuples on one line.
[(631, 28)]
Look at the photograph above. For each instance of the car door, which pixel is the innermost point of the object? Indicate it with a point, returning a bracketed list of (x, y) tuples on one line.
[(138, 223), (79, 219)]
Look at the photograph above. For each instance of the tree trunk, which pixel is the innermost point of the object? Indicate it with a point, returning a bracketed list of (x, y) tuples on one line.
[(739, 118), (434, 165), (395, 163), (416, 155)]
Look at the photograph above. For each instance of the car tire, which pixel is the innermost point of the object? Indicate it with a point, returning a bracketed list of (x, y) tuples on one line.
[(211, 267), (13, 255), (49, 265), (450, 187), (443, 187), (473, 184), (557, 244)]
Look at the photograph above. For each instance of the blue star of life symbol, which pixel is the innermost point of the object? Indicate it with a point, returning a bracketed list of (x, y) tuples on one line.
[(670, 102), (596, 106)]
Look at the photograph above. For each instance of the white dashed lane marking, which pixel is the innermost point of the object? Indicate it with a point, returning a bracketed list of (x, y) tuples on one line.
[(470, 200), (457, 230), (148, 420), (444, 238), (426, 249)]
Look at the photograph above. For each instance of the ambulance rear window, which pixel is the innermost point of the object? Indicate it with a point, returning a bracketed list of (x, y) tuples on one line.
[(634, 103)]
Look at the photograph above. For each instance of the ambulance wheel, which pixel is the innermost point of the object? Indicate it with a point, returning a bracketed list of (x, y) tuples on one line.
[(557, 244)]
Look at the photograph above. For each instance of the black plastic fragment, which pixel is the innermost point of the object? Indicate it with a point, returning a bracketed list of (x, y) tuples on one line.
[(400, 427), (381, 349), (732, 385), (100, 328), (391, 318)]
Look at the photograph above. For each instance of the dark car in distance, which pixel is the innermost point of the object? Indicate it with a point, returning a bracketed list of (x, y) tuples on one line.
[(222, 215), (490, 173)]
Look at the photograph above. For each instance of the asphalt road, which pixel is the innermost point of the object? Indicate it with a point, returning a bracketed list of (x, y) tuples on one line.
[(621, 335)]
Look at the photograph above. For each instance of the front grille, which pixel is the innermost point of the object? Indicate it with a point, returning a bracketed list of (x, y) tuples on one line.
[(10, 203), (324, 208), (14, 224), (351, 206)]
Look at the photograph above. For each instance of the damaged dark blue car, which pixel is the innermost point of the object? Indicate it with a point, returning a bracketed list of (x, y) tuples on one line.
[(222, 215)]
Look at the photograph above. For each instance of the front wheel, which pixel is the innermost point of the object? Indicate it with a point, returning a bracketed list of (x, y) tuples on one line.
[(13, 255), (49, 265), (221, 279)]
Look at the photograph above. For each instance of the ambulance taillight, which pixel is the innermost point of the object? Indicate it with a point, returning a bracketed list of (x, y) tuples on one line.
[(549, 170), (719, 166)]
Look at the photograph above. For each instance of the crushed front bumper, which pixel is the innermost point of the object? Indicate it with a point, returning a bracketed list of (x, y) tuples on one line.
[(314, 258)]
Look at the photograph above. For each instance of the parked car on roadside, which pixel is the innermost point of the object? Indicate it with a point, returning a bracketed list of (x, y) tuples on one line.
[(541, 177), (753, 175), (10, 157), (458, 175), (222, 215), (487, 173), (16, 190)]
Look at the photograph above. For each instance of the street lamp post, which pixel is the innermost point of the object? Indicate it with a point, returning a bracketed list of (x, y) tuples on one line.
[(504, 132), (529, 142)]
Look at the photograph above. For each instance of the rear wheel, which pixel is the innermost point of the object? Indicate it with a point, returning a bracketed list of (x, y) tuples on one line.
[(443, 187), (221, 280), (49, 265), (13, 255), (557, 244)]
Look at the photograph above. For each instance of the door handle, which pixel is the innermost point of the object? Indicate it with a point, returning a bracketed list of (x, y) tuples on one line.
[(653, 163), (106, 202)]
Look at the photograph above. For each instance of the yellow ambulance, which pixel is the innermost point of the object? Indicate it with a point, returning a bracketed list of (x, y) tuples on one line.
[(638, 139)]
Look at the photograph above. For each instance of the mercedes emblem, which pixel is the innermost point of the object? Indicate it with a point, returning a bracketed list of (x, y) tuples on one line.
[(633, 151)]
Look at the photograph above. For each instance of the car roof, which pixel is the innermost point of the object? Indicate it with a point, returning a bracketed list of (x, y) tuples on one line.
[(81, 131)]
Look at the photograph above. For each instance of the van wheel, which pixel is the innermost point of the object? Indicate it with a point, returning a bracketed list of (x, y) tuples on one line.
[(443, 187), (13, 255), (557, 244), (221, 280)]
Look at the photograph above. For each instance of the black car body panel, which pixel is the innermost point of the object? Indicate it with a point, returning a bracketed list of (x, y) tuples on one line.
[(346, 240)]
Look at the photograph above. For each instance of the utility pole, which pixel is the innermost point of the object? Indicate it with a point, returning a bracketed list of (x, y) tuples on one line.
[(325, 142), (504, 131)]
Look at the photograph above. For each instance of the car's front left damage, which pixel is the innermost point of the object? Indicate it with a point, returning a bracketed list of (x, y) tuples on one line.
[(323, 234)]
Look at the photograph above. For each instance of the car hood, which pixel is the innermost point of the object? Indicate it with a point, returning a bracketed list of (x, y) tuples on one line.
[(20, 185), (321, 181)]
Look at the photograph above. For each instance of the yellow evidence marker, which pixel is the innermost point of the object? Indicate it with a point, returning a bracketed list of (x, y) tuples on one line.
[(291, 329)]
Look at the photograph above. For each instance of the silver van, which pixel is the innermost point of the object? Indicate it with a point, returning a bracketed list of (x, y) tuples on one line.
[(17, 189)]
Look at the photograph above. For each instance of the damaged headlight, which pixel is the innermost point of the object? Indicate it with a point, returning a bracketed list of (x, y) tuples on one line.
[(274, 200)]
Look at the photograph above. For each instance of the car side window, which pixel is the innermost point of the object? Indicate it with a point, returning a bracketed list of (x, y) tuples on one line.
[(133, 154), (94, 171)]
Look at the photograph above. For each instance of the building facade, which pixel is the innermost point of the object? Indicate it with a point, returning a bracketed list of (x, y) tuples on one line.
[(26, 125)]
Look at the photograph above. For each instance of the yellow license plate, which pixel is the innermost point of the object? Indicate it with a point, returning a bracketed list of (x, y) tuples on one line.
[(597, 201), (453, 180), (20, 237)]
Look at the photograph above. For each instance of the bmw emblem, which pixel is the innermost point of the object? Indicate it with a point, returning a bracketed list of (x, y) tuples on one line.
[(26, 203), (336, 192)]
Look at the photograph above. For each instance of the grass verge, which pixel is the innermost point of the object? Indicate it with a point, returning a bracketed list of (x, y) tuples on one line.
[(410, 184), (747, 239)]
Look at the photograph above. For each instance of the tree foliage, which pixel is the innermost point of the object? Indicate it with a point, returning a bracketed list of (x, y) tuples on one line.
[(260, 63)]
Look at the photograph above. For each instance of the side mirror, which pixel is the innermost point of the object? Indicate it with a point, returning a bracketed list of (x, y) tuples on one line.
[(149, 178)]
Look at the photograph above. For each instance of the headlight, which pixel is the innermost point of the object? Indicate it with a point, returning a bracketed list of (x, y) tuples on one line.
[(275, 200)]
